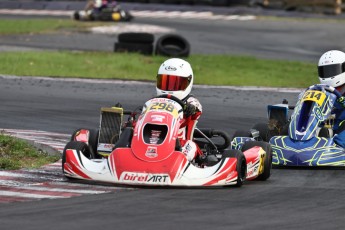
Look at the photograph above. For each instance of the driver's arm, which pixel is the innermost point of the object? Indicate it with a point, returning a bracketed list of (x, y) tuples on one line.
[(194, 108)]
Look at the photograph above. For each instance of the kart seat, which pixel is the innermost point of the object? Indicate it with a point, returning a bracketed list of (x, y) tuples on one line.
[(125, 138)]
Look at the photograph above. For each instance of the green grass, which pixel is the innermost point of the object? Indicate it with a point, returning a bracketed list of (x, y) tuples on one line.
[(32, 26), (208, 69), (12, 26), (16, 154)]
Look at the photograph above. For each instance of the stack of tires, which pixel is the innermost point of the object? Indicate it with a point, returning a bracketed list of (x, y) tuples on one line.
[(170, 45), (135, 43)]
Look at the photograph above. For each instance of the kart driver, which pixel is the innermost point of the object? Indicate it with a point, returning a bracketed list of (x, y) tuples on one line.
[(95, 5), (331, 69), (175, 77), (98, 5)]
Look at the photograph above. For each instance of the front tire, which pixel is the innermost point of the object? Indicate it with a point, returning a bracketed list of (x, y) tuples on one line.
[(241, 166), (81, 147)]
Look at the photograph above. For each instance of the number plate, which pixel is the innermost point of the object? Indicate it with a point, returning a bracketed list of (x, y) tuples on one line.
[(164, 107), (316, 96)]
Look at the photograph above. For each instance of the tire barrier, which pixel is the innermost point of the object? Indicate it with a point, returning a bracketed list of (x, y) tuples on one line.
[(135, 43), (172, 45), (132, 37)]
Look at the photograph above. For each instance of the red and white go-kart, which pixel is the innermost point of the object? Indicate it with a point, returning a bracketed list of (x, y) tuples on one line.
[(147, 152)]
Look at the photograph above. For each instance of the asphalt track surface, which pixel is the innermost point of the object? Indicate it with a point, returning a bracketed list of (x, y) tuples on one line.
[(290, 199)]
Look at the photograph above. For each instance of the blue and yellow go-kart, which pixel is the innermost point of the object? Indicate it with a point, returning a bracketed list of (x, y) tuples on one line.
[(309, 140), (306, 137)]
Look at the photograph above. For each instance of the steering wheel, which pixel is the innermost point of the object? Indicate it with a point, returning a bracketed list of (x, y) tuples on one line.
[(327, 88), (169, 96)]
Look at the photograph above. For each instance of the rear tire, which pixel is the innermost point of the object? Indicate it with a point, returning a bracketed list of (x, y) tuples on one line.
[(268, 158), (264, 131), (93, 141), (126, 16), (76, 15), (241, 133), (241, 166)]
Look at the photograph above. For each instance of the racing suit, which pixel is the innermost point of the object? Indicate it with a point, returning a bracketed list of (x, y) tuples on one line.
[(189, 148), (96, 5), (339, 123)]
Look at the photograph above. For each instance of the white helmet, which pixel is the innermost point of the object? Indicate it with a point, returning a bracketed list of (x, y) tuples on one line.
[(331, 68), (175, 77)]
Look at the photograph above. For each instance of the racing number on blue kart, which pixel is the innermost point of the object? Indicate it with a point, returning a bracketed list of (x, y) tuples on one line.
[(163, 106), (312, 95)]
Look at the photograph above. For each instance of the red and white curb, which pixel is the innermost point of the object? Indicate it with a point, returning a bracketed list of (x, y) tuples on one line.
[(190, 15), (46, 182), (57, 141), (139, 14)]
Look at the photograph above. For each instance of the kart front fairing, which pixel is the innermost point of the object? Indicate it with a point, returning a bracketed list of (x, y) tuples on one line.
[(312, 109), (122, 167), (317, 151), (156, 131)]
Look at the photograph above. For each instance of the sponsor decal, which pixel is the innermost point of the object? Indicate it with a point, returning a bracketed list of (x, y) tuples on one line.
[(170, 68), (105, 147), (187, 149), (318, 113), (145, 178), (158, 118), (229, 176), (151, 152), (252, 170)]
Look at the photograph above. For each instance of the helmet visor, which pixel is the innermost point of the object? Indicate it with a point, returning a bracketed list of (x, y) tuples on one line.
[(172, 82), (328, 71)]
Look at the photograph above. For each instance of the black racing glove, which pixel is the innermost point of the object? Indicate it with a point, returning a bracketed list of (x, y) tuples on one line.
[(341, 101), (190, 110)]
